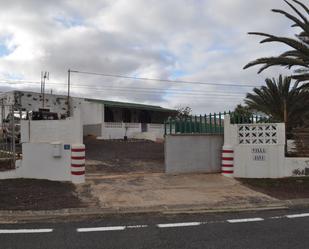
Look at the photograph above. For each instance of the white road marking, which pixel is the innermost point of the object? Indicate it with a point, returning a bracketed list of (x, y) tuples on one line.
[(245, 220), (100, 229), (184, 224), (47, 230), (137, 226), (297, 215), (212, 222), (163, 225), (276, 217)]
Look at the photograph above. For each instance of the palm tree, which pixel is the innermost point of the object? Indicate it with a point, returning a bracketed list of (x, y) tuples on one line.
[(298, 56), (281, 101)]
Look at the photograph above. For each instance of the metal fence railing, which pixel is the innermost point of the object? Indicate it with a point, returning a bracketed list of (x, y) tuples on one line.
[(206, 124), (248, 119), (10, 147), (212, 123)]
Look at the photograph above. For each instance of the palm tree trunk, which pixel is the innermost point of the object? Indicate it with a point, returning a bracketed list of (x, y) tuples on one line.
[(285, 117)]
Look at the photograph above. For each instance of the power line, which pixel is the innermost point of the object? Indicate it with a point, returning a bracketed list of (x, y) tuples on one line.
[(141, 89), (59, 83), (160, 80), (124, 92)]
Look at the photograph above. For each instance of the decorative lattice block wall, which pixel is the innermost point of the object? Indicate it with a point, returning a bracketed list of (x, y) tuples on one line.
[(262, 134)]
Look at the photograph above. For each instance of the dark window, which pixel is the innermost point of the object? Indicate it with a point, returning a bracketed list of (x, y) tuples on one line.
[(108, 115), (145, 117), (126, 115)]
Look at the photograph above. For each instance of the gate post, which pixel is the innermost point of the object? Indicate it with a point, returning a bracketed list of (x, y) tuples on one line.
[(227, 160), (78, 163), (227, 163)]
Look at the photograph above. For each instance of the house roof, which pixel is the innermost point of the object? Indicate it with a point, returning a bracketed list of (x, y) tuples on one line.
[(131, 105)]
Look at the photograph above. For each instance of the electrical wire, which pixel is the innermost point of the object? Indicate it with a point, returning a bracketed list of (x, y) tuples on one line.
[(135, 89), (160, 80)]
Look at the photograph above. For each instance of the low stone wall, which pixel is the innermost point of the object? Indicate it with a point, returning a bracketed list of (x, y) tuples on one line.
[(193, 153)]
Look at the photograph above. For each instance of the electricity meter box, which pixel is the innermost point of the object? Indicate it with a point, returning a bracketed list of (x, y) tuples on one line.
[(56, 149)]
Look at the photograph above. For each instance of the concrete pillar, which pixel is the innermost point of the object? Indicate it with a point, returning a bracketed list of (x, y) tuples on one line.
[(78, 163)]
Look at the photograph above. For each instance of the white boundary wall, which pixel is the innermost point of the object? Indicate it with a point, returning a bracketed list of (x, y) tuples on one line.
[(46, 148), (185, 153), (259, 151)]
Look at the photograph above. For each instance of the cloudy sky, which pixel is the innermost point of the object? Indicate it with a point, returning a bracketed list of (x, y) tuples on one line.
[(191, 40)]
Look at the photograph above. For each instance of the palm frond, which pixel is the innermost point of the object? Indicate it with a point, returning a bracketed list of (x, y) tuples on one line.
[(297, 22), (273, 61), (288, 41), (302, 5), (298, 56), (297, 11)]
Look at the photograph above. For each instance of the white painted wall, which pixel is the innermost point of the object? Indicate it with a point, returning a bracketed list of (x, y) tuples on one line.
[(46, 148), (259, 151), (156, 129), (296, 166), (155, 132), (193, 153), (39, 163), (117, 130), (272, 166), (67, 131), (92, 113)]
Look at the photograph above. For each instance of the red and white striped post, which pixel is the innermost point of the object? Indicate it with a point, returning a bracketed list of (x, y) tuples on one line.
[(227, 164), (78, 163)]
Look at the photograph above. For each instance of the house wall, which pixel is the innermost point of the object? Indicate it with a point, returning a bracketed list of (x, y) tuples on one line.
[(193, 153), (92, 113), (31, 101), (117, 130)]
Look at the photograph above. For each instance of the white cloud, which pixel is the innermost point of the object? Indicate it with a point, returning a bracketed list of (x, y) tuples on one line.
[(200, 40)]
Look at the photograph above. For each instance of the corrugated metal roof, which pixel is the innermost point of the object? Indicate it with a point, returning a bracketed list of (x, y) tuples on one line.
[(131, 105)]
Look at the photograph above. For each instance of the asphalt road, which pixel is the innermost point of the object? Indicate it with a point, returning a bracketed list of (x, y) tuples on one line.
[(272, 229)]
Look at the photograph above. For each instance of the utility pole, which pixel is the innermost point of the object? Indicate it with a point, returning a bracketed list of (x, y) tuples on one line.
[(69, 79), (44, 76)]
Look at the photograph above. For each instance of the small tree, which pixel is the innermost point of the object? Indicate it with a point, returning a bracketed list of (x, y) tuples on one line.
[(242, 113), (184, 112)]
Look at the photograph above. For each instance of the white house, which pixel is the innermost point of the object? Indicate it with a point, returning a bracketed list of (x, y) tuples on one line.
[(101, 118)]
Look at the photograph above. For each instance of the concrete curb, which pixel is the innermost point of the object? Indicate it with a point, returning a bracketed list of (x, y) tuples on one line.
[(9, 216), (297, 203)]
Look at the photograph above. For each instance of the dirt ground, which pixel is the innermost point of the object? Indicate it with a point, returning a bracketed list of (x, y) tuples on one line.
[(119, 156), (30, 194), (153, 190), (284, 188)]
